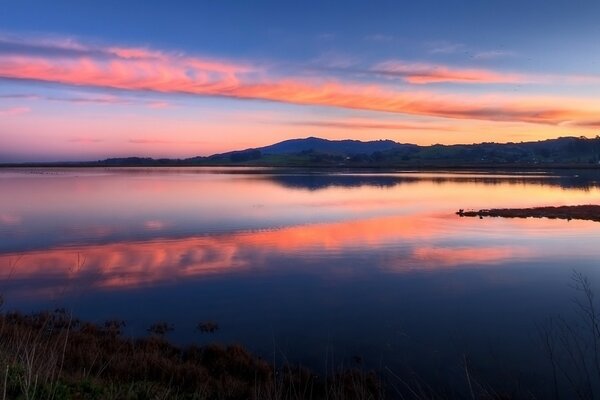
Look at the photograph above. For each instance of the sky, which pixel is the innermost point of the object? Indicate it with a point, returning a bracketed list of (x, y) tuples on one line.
[(91, 80)]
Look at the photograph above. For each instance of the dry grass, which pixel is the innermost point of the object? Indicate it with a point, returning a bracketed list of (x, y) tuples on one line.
[(54, 356)]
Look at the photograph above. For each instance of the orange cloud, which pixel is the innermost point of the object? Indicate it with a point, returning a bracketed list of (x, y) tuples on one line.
[(374, 98), (421, 73), (424, 73), (366, 124), (145, 70), (592, 124)]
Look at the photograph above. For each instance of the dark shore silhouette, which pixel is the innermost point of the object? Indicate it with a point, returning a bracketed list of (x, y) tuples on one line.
[(312, 152), (53, 355), (588, 212)]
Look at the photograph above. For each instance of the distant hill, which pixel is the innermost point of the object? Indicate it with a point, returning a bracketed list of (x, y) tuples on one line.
[(569, 152), (342, 147), (564, 151), (311, 146)]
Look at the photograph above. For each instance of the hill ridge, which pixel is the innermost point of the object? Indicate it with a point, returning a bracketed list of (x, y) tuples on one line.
[(311, 151)]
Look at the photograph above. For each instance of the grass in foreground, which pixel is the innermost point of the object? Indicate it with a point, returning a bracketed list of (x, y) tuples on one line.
[(51, 355)]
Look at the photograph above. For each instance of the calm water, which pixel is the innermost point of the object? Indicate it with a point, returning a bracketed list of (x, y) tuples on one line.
[(310, 265)]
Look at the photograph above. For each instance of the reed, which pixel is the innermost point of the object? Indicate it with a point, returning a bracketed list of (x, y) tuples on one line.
[(52, 355)]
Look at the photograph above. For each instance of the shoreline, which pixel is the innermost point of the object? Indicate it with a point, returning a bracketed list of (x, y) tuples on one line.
[(408, 167), (588, 212)]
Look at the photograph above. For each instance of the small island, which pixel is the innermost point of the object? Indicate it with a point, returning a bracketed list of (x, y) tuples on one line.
[(588, 212)]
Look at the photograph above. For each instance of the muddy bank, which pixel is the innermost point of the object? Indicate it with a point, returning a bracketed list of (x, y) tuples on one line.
[(582, 212)]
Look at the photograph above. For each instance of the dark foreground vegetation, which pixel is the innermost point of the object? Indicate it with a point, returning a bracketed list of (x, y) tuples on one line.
[(583, 212), (51, 355)]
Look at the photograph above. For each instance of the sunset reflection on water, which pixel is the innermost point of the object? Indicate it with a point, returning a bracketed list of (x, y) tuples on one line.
[(301, 256)]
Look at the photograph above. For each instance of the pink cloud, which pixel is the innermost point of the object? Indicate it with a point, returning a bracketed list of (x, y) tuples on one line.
[(592, 124), (139, 69), (158, 105), (85, 139), (163, 141), (14, 111), (89, 99), (150, 141), (375, 98), (422, 73), (10, 219), (366, 124), (425, 73), (154, 225)]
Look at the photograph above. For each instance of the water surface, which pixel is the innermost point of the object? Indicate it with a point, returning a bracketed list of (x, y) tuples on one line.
[(311, 265)]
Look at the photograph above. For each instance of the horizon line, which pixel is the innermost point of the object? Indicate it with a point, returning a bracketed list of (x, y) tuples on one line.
[(17, 163)]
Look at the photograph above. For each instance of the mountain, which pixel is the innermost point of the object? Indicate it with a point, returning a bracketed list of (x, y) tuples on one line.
[(568, 152), (343, 147), (564, 151), (312, 146)]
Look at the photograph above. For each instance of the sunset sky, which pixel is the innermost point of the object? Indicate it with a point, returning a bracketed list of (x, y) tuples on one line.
[(90, 80)]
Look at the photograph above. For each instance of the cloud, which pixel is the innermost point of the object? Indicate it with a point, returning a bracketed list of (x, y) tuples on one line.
[(9, 219), (118, 67), (85, 139), (19, 96), (592, 124), (85, 99), (158, 105), (89, 99), (144, 70), (14, 111), (334, 61), (446, 48), (379, 37), (374, 98), (163, 141), (358, 124), (149, 141), (326, 36), (43, 46), (423, 73), (155, 225), (493, 54)]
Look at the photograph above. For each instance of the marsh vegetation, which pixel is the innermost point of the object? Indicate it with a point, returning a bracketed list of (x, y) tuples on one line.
[(53, 355)]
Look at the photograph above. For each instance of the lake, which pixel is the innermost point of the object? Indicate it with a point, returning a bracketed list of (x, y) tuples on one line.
[(317, 267)]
